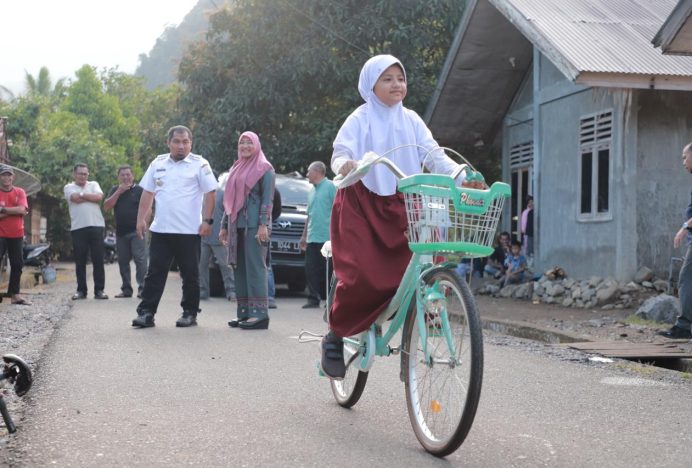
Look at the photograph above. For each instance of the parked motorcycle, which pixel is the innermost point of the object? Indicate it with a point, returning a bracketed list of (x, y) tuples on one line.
[(37, 255), (110, 254), (17, 373)]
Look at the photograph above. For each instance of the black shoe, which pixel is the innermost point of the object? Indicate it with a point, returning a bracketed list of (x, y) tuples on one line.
[(311, 305), (78, 295), (122, 294), (144, 319), (254, 323), (100, 295), (236, 321), (333, 356), (188, 319), (676, 333)]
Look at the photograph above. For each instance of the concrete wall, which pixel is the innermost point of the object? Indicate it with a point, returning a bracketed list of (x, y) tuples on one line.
[(581, 248), (648, 187), (664, 127)]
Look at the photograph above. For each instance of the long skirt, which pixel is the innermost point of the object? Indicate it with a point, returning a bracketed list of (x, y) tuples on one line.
[(370, 254), (251, 275)]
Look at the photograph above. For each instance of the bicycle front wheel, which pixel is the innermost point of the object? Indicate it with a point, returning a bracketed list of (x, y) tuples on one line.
[(348, 391), (443, 389)]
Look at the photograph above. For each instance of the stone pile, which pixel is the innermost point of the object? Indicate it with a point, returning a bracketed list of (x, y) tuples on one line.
[(605, 293)]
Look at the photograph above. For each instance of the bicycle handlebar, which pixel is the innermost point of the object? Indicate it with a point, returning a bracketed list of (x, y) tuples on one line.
[(371, 158)]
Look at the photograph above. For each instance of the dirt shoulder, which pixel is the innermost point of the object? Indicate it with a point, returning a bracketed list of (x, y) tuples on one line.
[(591, 324)]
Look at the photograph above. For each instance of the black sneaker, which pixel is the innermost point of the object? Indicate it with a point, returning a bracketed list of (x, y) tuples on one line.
[(78, 296), (188, 319), (676, 333), (333, 356), (144, 319), (100, 295)]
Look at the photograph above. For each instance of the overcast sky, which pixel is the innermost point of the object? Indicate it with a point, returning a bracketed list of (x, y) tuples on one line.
[(63, 35)]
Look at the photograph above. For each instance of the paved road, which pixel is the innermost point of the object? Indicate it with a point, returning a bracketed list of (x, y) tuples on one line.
[(109, 395)]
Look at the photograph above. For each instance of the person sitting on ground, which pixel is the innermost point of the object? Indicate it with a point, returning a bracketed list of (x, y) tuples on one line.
[(495, 265), (515, 265)]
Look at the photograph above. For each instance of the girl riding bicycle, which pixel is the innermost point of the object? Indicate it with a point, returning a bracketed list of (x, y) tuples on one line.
[(368, 225)]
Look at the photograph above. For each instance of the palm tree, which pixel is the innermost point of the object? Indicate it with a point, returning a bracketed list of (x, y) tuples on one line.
[(43, 85), (6, 93)]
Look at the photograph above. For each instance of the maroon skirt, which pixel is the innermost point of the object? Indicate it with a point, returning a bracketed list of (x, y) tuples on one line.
[(370, 254)]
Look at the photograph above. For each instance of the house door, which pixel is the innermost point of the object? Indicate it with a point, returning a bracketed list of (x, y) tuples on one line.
[(521, 167)]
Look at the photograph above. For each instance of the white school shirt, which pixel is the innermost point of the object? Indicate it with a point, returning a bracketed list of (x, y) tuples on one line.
[(354, 140), (85, 214), (179, 189)]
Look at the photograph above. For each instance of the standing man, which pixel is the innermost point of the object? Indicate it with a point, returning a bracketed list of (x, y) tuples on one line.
[(124, 200), (13, 208), (527, 227), (316, 232), (682, 326), (181, 183), (87, 225), (213, 248)]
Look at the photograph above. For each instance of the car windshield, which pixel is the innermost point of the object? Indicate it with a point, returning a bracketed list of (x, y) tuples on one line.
[(293, 189)]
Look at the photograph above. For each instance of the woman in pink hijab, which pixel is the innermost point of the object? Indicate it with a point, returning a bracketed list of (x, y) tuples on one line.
[(245, 228)]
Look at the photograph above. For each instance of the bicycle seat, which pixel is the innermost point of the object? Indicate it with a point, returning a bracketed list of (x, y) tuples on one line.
[(18, 371)]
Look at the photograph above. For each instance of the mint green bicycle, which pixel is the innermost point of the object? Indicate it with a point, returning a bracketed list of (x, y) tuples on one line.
[(441, 344)]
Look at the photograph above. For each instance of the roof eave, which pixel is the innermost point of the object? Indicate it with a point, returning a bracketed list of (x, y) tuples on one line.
[(524, 25), (638, 81), (449, 60), (672, 27)]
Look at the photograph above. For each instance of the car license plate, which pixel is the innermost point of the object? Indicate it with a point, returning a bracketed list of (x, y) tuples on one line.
[(287, 246)]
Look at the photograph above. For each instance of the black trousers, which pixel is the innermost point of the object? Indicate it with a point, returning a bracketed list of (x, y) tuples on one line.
[(163, 249), (14, 248), (315, 268), (85, 241)]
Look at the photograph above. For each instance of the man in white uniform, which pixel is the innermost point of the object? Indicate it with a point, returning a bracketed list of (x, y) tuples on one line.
[(181, 183)]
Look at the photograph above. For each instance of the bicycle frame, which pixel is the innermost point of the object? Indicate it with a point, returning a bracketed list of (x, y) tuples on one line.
[(398, 309)]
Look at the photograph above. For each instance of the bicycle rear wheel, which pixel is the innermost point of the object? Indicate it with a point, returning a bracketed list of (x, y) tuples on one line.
[(348, 391), (442, 393)]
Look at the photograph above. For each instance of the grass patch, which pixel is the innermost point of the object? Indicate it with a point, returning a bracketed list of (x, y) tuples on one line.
[(644, 370), (686, 375), (634, 319)]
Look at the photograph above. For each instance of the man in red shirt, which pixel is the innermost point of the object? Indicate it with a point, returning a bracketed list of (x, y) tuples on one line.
[(13, 208)]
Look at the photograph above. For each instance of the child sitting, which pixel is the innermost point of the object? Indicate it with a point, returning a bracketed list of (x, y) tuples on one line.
[(515, 265)]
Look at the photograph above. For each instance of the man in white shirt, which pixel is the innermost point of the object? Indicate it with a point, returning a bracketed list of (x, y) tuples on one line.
[(181, 183), (87, 225)]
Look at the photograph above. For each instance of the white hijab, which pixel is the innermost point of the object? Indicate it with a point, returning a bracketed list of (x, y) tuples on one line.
[(377, 127)]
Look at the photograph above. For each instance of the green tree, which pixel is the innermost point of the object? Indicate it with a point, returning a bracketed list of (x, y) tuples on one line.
[(155, 111), (6, 94), (288, 69), (98, 119), (87, 97), (43, 84)]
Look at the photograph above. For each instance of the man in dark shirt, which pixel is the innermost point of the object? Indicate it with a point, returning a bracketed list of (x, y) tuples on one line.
[(124, 200)]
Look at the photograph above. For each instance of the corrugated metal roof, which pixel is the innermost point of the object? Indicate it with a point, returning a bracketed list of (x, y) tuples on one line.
[(675, 36), (601, 36)]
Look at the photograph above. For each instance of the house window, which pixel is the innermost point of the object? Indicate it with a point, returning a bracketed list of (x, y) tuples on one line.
[(595, 143), (521, 165)]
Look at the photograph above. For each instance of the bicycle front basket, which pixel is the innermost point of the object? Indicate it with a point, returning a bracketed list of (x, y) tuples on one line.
[(446, 218)]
